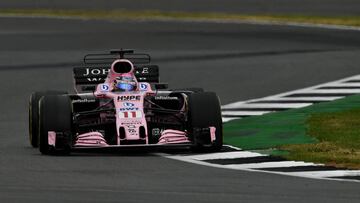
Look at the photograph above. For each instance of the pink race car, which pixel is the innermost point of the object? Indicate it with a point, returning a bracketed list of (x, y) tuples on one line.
[(123, 106)]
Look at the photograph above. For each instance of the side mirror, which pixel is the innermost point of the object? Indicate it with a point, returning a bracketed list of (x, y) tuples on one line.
[(161, 86)]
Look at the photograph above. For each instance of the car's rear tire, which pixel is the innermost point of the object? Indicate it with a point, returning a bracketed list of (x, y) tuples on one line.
[(34, 114), (55, 115), (204, 112)]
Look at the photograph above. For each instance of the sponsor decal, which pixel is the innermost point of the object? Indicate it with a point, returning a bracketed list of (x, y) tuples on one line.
[(96, 71), (130, 114), (129, 109), (131, 122), (104, 87), (84, 100), (156, 132), (131, 129), (145, 70), (166, 98), (129, 98), (143, 86), (95, 79), (128, 104)]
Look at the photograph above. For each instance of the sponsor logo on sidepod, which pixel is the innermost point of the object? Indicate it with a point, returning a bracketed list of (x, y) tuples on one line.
[(143, 86), (104, 88), (128, 104)]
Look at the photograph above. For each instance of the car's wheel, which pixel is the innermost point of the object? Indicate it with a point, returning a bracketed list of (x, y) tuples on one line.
[(55, 115), (204, 112), (34, 114)]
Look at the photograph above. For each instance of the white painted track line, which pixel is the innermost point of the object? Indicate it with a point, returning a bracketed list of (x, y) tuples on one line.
[(350, 84), (225, 155), (270, 165), (330, 91), (326, 174), (244, 113), (301, 99), (224, 120), (253, 168), (312, 89), (267, 105)]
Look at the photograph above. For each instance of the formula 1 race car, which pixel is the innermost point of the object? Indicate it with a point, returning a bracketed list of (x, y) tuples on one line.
[(119, 103)]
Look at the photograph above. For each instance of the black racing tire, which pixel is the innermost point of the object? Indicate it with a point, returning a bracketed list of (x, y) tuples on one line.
[(55, 115), (205, 111), (34, 114)]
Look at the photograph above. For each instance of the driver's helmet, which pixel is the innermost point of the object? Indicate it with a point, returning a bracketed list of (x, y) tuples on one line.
[(124, 83)]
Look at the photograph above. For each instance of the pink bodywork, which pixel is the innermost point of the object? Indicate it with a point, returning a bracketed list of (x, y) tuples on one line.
[(129, 105), (129, 115), (90, 139), (52, 138)]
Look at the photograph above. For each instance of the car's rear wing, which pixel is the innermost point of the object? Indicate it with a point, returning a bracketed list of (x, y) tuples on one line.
[(108, 58), (86, 78)]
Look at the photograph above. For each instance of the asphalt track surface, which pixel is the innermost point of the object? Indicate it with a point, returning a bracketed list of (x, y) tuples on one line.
[(318, 7), (238, 61)]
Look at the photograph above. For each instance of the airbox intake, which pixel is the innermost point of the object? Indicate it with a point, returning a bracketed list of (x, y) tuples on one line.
[(122, 67)]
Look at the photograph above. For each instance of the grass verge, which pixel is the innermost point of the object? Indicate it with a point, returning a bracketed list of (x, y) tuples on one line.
[(153, 14), (323, 133), (338, 136)]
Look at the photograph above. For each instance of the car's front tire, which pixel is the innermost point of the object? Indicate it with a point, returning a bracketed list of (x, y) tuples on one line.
[(34, 114), (55, 115), (205, 112)]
